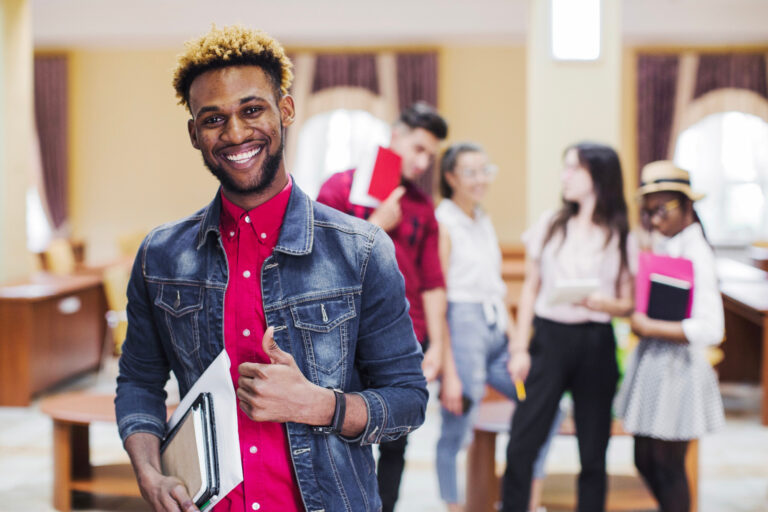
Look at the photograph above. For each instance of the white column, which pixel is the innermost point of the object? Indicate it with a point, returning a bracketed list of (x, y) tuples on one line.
[(568, 102), (16, 129)]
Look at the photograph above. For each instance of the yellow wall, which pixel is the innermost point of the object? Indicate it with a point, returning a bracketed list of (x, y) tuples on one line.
[(16, 129), (131, 164), (482, 94)]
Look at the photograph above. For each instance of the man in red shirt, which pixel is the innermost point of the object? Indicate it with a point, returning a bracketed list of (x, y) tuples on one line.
[(407, 215), (308, 304)]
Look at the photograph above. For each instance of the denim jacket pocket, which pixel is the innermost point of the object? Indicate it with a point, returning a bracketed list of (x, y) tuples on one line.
[(181, 305), (323, 327)]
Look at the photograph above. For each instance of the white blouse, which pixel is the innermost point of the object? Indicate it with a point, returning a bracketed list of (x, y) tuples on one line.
[(474, 272), (570, 259), (706, 325)]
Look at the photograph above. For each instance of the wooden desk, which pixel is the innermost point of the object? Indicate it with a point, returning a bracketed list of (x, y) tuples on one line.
[(51, 328), (745, 301), (72, 414), (483, 484)]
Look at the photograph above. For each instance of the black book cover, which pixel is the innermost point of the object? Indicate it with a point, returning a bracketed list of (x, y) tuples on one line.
[(668, 298)]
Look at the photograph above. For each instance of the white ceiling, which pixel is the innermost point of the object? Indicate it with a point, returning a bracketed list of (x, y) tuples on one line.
[(156, 23)]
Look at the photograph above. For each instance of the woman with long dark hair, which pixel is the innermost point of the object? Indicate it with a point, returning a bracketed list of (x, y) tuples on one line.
[(577, 279)]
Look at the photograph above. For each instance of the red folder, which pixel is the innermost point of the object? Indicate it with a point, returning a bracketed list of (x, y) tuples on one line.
[(386, 174), (650, 263)]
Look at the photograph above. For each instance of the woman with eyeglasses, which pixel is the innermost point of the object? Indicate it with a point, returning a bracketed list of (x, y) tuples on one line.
[(669, 394), (577, 278), (478, 318)]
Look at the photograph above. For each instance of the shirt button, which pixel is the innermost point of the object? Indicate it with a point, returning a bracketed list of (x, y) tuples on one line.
[(231, 233), (255, 506), (246, 332), (247, 219), (263, 236), (253, 449), (247, 274)]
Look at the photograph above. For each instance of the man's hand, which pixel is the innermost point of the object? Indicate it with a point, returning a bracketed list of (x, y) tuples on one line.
[(450, 393), (279, 392), (431, 364), (387, 216), (165, 493), (519, 365)]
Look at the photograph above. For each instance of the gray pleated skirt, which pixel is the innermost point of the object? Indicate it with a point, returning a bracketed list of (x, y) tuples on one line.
[(669, 392)]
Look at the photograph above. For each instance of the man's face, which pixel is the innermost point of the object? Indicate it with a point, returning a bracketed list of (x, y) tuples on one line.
[(237, 124), (417, 147)]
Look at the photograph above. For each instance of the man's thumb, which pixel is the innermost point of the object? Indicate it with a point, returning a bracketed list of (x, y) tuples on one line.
[(271, 349)]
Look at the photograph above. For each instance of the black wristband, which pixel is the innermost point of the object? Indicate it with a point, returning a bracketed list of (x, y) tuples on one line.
[(339, 411)]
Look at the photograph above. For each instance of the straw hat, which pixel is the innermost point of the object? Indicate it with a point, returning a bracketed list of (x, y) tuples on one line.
[(663, 176)]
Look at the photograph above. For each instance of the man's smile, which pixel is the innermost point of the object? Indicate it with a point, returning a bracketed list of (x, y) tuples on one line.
[(241, 157)]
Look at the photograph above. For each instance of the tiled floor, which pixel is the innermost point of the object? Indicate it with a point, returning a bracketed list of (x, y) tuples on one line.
[(734, 462)]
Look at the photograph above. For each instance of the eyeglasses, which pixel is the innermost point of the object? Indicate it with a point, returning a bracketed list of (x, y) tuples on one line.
[(488, 172), (662, 211)]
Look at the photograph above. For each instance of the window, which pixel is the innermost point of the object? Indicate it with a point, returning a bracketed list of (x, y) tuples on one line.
[(38, 228), (335, 141), (727, 156), (575, 29)]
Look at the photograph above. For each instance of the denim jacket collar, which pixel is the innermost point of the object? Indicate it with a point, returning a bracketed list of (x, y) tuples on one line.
[(296, 235)]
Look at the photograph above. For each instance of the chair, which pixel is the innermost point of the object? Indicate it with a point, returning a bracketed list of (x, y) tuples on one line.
[(115, 282), (59, 258)]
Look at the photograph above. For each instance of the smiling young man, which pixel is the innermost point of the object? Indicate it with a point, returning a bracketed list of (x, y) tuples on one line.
[(408, 216), (307, 302)]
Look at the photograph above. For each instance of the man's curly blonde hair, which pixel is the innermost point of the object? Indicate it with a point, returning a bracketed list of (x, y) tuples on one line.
[(231, 46)]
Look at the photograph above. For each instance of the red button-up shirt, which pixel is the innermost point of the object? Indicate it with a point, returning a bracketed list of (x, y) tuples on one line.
[(249, 237)]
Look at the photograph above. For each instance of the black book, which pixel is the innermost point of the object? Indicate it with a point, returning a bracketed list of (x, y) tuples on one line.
[(668, 298)]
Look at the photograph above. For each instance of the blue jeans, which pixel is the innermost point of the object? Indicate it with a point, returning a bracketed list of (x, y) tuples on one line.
[(480, 351)]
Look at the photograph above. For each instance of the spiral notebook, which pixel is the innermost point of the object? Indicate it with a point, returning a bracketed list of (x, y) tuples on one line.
[(189, 451)]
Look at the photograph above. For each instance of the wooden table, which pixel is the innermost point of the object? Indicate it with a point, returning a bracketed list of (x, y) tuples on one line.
[(745, 301), (51, 328), (483, 484), (72, 414)]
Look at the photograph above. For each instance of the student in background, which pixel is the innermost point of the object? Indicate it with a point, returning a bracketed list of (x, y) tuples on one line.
[(408, 217), (573, 345), (669, 394), (478, 318)]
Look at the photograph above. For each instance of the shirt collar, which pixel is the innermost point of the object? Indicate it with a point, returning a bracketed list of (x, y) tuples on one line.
[(265, 220)]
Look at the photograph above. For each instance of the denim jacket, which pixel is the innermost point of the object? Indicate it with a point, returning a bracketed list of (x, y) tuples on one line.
[(334, 294)]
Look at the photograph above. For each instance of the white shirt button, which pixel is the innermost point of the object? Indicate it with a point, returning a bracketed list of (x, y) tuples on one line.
[(246, 332), (255, 506), (231, 233), (253, 449), (247, 219), (263, 236), (247, 274)]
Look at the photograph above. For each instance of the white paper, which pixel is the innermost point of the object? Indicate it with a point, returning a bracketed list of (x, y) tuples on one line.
[(217, 381), (362, 180), (571, 291)]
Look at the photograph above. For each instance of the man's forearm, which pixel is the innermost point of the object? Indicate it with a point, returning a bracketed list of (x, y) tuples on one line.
[(435, 305), (144, 450)]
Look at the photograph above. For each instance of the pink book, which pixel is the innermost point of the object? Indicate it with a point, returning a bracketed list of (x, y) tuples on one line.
[(650, 263)]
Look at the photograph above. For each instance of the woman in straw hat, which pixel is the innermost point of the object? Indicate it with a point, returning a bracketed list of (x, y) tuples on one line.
[(669, 394)]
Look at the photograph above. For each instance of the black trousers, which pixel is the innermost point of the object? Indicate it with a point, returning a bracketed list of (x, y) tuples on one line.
[(389, 471), (576, 357)]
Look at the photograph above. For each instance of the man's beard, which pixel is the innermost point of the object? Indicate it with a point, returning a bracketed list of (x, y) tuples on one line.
[(268, 172)]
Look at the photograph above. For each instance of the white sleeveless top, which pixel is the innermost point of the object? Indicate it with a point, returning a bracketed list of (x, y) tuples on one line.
[(474, 272)]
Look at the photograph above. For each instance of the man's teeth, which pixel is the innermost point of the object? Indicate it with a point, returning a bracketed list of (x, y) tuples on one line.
[(242, 157)]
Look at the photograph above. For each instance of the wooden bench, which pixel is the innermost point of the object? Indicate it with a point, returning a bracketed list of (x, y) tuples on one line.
[(72, 415), (484, 484)]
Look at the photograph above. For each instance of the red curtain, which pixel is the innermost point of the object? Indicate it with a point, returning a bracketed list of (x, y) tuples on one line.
[(51, 120), (656, 91), (738, 70)]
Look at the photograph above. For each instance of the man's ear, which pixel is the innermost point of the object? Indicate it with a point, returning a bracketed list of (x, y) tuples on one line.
[(192, 133), (287, 110)]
